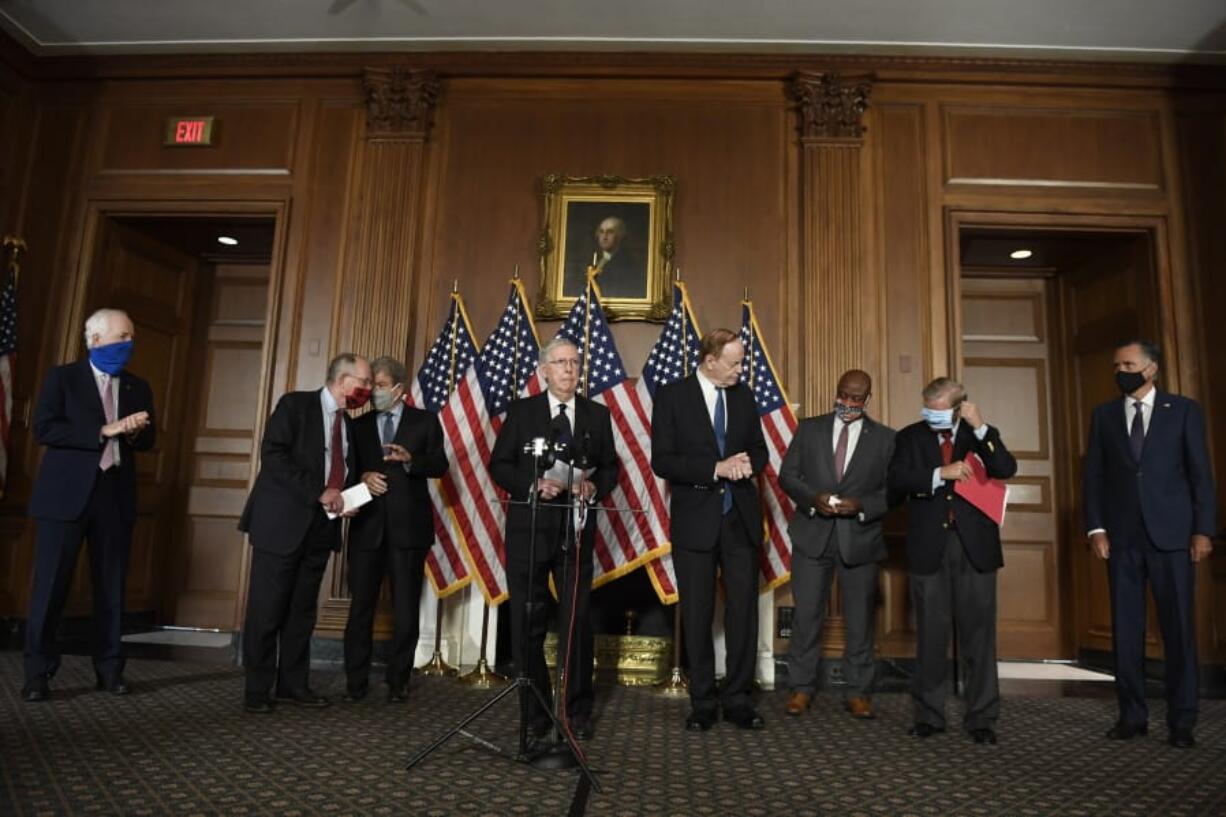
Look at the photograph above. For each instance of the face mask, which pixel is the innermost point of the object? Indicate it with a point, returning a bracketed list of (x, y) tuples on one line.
[(357, 398), (1129, 382), (112, 357), (938, 419), (846, 413), (383, 399)]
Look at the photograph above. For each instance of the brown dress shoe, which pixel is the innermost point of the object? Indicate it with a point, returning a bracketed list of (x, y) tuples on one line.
[(798, 702), (860, 708)]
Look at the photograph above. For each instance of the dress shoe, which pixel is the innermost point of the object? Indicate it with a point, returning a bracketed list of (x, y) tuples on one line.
[(35, 690), (1127, 731), (860, 708), (745, 717), (582, 729), (257, 706), (983, 735), (397, 693), (303, 697), (925, 730), (1181, 740), (798, 702), (115, 686), (700, 720)]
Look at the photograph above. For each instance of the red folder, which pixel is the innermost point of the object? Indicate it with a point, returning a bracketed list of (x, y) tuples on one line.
[(987, 494)]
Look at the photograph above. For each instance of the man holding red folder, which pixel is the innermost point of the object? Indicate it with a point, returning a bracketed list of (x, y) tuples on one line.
[(953, 553)]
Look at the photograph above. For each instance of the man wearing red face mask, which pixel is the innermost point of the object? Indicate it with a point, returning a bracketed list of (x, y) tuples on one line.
[(307, 459)]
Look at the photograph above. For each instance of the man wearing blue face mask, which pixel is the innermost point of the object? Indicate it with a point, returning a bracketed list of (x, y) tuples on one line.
[(92, 416), (953, 553)]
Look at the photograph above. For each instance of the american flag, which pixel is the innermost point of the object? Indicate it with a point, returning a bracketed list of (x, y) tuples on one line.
[(778, 426), (471, 421), (8, 357), (675, 355), (451, 355), (623, 540)]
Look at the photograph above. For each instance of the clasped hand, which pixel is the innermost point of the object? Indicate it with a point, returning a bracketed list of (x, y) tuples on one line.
[(551, 488), (842, 506), (129, 425), (734, 468)]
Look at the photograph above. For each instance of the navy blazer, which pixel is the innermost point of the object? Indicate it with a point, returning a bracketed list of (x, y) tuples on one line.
[(1171, 486), (68, 421)]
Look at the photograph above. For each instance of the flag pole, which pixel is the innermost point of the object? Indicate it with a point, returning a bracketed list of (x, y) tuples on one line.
[(676, 685), (13, 246), (436, 665)]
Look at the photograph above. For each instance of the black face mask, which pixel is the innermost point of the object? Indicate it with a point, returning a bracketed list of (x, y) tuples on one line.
[(1128, 382)]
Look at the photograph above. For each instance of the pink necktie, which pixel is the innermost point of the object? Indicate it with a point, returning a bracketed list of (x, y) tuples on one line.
[(108, 407)]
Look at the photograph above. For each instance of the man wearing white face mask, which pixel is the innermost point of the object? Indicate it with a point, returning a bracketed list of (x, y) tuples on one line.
[(399, 449), (953, 553)]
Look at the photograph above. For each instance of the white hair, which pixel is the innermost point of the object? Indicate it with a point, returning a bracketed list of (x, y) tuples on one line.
[(557, 342), (99, 322)]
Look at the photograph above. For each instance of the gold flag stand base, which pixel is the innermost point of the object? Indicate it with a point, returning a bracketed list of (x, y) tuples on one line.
[(675, 686), (483, 677), (437, 666)]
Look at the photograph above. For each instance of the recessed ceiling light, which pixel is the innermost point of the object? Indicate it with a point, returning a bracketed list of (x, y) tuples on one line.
[(1020, 255), (227, 240)]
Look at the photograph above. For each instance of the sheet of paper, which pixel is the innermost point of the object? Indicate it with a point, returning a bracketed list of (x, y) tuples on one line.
[(354, 497), (560, 470)]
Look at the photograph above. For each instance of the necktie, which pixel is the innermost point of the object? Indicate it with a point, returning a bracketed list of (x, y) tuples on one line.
[(721, 437), (947, 456), (840, 453), (336, 465), (107, 393), (389, 430), (561, 431), (1136, 435)]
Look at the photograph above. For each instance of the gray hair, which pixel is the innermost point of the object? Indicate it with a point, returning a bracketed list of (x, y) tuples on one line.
[(557, 342), (342, 364), (945, 386), (390, 366), (99, 322)]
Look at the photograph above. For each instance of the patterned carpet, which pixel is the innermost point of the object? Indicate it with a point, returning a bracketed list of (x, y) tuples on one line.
[(181, 745)]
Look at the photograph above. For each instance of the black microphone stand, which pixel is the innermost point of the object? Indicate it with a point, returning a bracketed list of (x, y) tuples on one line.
[(522, 683)]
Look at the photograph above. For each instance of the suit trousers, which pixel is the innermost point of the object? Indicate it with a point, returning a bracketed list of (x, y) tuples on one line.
[(1172, 578), (367, 566), (811, 578), (958, 591), (59, 544), (282, 598), (574, 629), (737, 557)]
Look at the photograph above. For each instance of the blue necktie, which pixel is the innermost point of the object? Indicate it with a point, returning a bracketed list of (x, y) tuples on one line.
[(721, 436), (389, 430)]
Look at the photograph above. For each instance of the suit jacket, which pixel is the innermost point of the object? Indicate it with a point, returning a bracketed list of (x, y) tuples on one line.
[(808, 470), (68, 421), (404, 515), (624, 275), (1169, 491), (512, 470), (285, 497), (684, 452), (917, 451)]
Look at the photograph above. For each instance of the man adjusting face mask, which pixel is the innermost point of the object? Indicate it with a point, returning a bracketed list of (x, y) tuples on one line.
[(939, 419)]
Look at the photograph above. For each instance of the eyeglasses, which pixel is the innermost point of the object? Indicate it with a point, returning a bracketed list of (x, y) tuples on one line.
[(566, 362)]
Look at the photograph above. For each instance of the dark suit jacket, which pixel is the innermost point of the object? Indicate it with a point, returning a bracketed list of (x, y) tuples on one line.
[(285, 497), (623, 276), (808, 470), (68, 420), (512, 469), (403, 515), (917, 451), (684, 452), (1171, 487)]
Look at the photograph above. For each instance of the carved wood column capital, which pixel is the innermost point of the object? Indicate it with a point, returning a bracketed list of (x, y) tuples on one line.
[(831, 107), (399, 102)]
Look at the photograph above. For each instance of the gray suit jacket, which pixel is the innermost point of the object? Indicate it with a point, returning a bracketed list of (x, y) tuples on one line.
[(808, 470)]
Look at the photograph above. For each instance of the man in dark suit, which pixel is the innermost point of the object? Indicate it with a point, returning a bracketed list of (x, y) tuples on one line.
[(586, 430), (835, 471), (706, 440), (953, 553), (307, 457), (1151, 509), (398, 450), (92, 417)]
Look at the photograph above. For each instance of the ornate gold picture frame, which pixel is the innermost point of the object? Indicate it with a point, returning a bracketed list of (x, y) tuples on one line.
[(624, 228)]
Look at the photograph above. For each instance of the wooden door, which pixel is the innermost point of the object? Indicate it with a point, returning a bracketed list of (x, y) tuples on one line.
[(1007, 347), (154, 283)]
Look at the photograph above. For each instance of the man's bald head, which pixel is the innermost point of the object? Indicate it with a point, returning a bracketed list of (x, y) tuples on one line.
[(856, 379)]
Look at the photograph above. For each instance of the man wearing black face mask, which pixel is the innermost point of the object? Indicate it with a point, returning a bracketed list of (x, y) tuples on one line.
[(307, 458), (1150, 508), (835, 472)]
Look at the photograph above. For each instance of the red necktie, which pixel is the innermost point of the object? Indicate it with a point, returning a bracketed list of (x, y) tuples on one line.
[(336, 468), (840, 454), (947, 456)]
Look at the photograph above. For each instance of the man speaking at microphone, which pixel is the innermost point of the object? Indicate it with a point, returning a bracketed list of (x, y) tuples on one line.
[(578, 430)]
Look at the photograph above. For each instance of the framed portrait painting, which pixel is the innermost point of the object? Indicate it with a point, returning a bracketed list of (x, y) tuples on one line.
[(622, 228)]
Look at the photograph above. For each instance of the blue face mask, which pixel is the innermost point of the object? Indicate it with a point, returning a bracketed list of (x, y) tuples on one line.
[(938, 419), (112, 357)]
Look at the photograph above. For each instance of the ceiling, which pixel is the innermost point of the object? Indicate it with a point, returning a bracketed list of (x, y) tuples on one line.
[(1134, 30)]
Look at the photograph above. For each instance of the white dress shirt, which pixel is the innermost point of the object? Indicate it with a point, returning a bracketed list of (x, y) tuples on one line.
[(100, 379), (330, 408), (853, 437), (554, 402), (1147, 410)]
